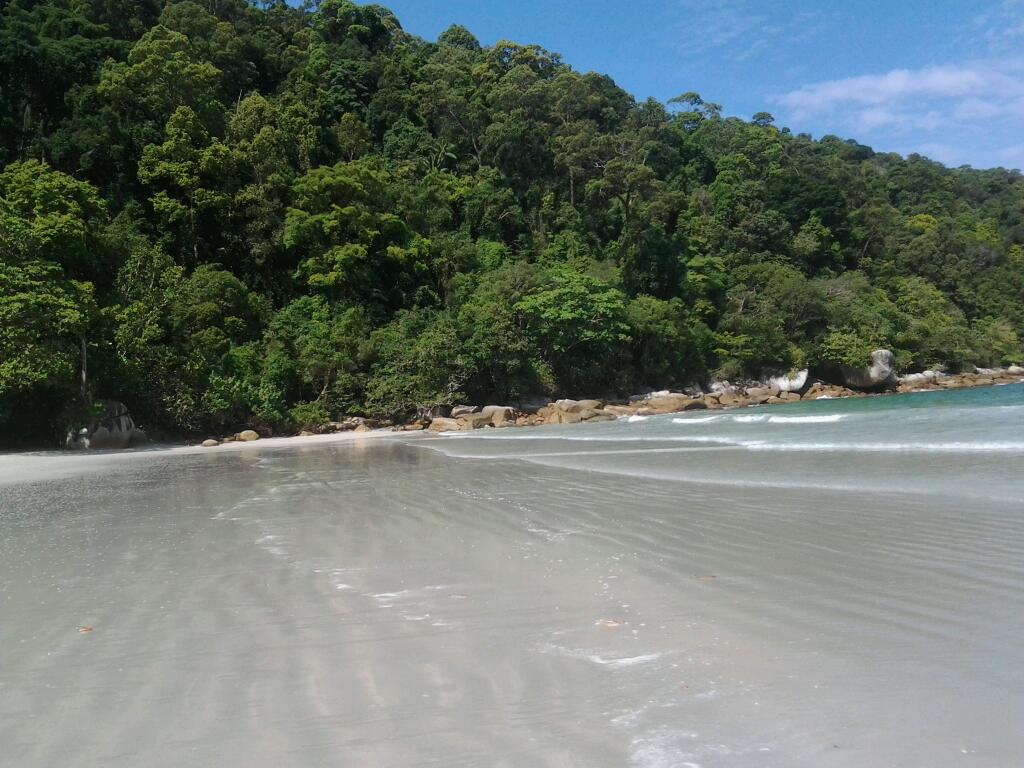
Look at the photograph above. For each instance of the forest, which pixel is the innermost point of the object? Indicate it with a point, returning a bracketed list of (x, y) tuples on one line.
[(231, 214)]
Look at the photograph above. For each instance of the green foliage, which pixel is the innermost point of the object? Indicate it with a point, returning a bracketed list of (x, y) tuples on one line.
[(580, 324), (273, 214)]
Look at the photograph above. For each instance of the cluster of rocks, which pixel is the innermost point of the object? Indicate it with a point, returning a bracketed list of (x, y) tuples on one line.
[(245, 436), (466, 418), (981, 377), (878, 377)]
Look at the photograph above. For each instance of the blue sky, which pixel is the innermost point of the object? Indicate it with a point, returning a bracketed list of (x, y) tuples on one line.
[(941, 77)]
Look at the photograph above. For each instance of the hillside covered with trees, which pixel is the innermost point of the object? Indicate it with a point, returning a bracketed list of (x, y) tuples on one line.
[(248, 214)]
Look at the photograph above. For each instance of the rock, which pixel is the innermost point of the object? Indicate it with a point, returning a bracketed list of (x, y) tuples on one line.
[(601, 415), (414, 427), (444, 425), (922, 379), (573, 406), (880, 374), (210, 443), (731, 399), (790, 397), (474, 421), (621, 410), (721, 388), (112, 430), (796, 382), (765, 392), (248, 436), (426, 413), (669, 402), (498, 415), (464, 410), (1015, 370), (364, 427), (306, 433), (564, 417)]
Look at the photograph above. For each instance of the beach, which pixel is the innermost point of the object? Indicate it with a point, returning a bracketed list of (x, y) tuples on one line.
[(839, 587)]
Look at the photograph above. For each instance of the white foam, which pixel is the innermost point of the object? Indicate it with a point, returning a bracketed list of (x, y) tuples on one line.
[(697, 420), (750, 419), (831, 419), (976, 447), (634, 419)]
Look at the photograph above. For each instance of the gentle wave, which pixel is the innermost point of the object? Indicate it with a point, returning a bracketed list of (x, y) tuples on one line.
[(986, 447), (699, 420), (633, 419), (831, 419)]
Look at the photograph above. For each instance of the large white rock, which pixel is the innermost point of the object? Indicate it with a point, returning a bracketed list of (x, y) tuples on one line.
[(880, 374), (786, 383)]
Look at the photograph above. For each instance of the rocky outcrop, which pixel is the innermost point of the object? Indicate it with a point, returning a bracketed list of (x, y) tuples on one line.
[(113, 429), (931, 380), (248, 436), (778, 390), (880, 374), (791, 382)]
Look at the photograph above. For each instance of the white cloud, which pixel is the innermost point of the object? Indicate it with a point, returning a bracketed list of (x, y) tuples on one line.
[(740, 26), (926, 99)]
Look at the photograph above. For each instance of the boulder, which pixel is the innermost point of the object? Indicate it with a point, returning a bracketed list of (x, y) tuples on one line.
[(113, 429), (669, 402), (498, 414), (444, 425), (416, 426), (574, 406), (463, 410), (1015, 370), (721, 388), (796, 382), (248, 436), (364, 427), (790, 397), (922, 379), (563, 417), (880, 374), (762, 392), (474, 421), (620, 410), (210, 443)]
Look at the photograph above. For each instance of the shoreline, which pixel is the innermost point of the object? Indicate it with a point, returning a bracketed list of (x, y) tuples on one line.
[(568, 411), (562, 411)]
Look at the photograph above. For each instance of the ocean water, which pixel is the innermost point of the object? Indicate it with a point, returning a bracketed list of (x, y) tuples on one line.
[(837, 583), (967, 442)]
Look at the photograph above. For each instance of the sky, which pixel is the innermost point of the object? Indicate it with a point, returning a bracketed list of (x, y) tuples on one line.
[(944, 78)]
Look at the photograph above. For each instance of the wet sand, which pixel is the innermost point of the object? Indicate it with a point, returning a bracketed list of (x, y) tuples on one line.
[(374, 603)]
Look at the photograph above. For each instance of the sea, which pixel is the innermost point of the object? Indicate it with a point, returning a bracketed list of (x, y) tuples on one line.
[(827, 583)]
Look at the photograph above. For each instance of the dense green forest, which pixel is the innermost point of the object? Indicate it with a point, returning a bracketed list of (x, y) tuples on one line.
[(245, 213)]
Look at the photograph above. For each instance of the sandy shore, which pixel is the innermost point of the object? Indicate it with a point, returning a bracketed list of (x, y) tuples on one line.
[(353, 601), (30, 466)]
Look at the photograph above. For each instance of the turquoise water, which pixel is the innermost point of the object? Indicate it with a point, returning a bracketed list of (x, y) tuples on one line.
[(965, 443)]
